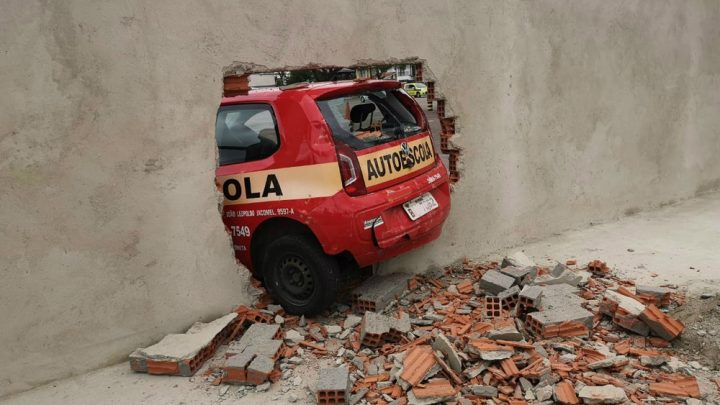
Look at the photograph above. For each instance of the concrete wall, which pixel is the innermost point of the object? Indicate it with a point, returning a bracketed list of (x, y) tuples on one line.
[(570, 112)]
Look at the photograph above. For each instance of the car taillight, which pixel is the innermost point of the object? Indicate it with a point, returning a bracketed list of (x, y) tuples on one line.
[(350, 171)]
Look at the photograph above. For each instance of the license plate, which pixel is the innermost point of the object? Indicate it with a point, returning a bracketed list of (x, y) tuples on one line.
[(417, 207)]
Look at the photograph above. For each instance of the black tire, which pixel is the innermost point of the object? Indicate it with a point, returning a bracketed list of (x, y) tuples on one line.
[(299, 275)]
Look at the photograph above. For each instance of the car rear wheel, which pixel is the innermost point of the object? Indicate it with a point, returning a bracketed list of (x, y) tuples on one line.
[(300, 276)]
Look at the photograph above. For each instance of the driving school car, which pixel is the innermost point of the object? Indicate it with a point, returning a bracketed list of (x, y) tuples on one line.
[(322, 179)]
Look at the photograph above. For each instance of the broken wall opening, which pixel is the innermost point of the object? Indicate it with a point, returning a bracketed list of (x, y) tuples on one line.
[(239, 78)]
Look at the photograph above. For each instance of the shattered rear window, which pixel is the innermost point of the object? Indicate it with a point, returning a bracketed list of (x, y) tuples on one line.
[(369, 118)]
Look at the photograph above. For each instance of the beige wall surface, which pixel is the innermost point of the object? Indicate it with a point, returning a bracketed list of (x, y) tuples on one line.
[(569, 113)]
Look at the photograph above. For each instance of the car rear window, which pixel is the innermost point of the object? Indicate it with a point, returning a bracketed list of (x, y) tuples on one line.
[(245, 132), (365, 119)]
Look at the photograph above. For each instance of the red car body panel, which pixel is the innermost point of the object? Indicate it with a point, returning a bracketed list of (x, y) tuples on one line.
[(305, 169)]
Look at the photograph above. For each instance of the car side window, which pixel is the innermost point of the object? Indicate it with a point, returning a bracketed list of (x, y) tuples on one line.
[(410, 87), (245, 132)]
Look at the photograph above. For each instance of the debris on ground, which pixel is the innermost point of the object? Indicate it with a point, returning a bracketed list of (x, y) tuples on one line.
[(183, 354), (515, 333)]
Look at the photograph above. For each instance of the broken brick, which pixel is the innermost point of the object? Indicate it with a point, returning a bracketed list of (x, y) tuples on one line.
[(624, 310), (493, 307), (530, 297), (560, 322), (183, 354), (564, 393), (259, 370), (678, 387), (519, 274), (598, 267), (417, 363), (235, 368), (495, 282), (509, 298), (660, 296), (373, 329), (509, 367), (437, 388), (377, 292), (661, 324), (465, 287), (333, 386)]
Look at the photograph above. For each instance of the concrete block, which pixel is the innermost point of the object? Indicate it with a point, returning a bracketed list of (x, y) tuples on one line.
[(493, 307), (559, 296), (517, 259), (625, 311), (373, 328), (268, 348), (333, 386), (399, 327), (375, 293), (571, 313), (256, 333), (508, 332), (612, 300), (509, 298), (569, 321), (235, 368), (183, 354), (259, 369), (530, 296), (652, 290), (240, 360), (519, 274), (187, 345), (660, 295), (495, 282)]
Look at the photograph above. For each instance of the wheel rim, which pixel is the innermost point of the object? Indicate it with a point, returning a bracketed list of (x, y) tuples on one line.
[(295, 280)]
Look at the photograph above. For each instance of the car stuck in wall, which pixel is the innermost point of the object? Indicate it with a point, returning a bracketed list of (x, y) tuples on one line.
[(323, 179)]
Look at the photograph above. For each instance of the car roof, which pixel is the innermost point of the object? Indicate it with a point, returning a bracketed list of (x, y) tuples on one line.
[(317, 90)]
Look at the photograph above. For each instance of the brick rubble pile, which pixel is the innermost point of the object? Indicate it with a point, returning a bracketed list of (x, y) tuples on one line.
[(510, 333)]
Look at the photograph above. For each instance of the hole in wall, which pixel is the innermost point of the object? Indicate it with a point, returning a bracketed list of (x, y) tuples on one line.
[(240, 78), (379, 134)]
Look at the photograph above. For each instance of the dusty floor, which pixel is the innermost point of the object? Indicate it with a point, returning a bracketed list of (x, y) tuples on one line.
[(673, 245), (678, 244), (701, 339)]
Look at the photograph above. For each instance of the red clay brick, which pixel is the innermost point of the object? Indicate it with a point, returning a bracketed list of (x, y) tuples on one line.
[(418, 361), (661, 324), (437, 387), (565, 393)]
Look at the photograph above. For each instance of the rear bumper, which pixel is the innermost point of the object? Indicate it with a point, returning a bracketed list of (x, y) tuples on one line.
[(396, 233)]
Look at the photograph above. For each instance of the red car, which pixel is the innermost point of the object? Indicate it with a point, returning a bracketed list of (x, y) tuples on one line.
[(320, 180)]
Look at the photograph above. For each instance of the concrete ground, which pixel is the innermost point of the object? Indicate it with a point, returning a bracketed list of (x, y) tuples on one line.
[(676, 244)]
